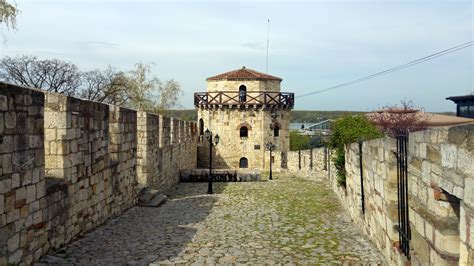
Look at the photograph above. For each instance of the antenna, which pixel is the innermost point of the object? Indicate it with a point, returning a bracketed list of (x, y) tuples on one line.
[(268, 40)]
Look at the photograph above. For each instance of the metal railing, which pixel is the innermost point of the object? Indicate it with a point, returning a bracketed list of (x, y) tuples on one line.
[(281, 99), (403, 227)]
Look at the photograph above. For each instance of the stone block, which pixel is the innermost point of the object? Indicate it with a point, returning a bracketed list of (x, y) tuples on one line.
[(40, 189), (447, 243), (13, 215), (30, 193), (422, 150), (53, 119), (21, 123), (457, 135), (426, 172), (464, 224), (433, 154), (448, 155), (3, 103), (417, 136), (2, 204), (20, 194), (15, 258), (421, 247), (10, 120), (7, 166), (429, 233), (420, 224), (2, 125), (465, 162), (464, 255), (469, 192), (471, 235), (5, 186), (14, 242)]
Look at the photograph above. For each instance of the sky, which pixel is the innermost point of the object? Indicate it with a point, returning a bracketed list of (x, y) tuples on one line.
[(313, 45)]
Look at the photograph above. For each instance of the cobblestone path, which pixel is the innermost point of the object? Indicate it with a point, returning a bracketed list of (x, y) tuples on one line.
[(287, 220)]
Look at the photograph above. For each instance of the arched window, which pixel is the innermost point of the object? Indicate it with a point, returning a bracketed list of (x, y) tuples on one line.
[(243, 163), (244, 132), (242, 93), (276, 131), (201, 127)]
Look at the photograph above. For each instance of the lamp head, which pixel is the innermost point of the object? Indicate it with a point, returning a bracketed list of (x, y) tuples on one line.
[(216, 139), (207, 134)]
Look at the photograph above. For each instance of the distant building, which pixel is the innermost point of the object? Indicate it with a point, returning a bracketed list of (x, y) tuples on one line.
[(322, 128), (465, 105)]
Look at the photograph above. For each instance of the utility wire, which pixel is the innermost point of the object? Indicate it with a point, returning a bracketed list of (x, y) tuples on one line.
[(381, 73)]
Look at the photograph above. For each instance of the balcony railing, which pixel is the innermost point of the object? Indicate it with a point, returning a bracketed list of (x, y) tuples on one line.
[(280, 99)]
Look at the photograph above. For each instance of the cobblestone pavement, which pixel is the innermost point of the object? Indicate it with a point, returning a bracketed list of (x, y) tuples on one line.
[(287, 220)]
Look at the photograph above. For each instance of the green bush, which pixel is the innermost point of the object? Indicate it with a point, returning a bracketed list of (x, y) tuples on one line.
[(340, 163), (346, 130), (304, 142), (298, 142)]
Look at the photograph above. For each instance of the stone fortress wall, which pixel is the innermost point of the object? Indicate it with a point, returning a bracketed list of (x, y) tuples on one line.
[(440, 192), (67, 165)]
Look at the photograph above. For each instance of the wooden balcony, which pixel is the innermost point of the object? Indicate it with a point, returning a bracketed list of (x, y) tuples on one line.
[(250, 98)]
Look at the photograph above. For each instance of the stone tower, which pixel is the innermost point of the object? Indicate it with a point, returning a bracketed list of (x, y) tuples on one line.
[(247, 109)]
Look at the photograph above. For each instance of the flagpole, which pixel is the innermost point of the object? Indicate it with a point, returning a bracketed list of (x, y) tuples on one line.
[(268, 40)]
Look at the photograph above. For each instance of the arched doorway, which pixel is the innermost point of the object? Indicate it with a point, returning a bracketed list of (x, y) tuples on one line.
[(243, 163), (276, 131), (244, 132), (201, 127)]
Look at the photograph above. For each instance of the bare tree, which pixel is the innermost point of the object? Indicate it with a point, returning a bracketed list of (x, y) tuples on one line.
[(135, 89), (169, 95), (8, 13), (108, 86), (149, 93), (51, 74), (141, 89), (395, 119)]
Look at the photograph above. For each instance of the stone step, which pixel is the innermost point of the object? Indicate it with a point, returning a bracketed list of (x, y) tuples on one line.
[(147, 195), (156, 201), (140, 189)]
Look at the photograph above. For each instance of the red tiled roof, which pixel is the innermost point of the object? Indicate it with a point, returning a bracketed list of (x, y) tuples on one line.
[(244, 74)]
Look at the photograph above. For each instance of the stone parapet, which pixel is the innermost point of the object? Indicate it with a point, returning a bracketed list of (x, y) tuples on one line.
[(67, 165), (440, 192)]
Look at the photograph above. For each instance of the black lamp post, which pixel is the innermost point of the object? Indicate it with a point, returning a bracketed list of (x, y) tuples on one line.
[(271, 147), (209, 137)]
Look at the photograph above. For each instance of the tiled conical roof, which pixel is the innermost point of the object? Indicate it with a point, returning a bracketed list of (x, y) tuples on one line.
[(244, 74)]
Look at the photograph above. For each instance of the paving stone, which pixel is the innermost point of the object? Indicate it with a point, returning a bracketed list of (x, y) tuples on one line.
[(287, 221)]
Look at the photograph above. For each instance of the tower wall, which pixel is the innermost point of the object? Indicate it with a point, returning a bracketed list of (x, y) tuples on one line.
[(252, 85), (227, 123)]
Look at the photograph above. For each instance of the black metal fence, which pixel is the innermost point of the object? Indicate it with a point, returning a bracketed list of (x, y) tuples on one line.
[(216, 177), (362, 195), (404, 232)]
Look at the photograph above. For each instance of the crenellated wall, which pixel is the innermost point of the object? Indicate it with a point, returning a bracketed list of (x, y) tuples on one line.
[(23, 230), (67, 165), (162, 154), (440, 192)]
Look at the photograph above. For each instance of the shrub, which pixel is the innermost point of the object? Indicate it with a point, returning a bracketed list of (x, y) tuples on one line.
[(304, 142), (340, 163), (346, 130), (395, 119)]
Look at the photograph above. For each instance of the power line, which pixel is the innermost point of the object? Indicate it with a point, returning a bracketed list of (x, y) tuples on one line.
[(384, 72)]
